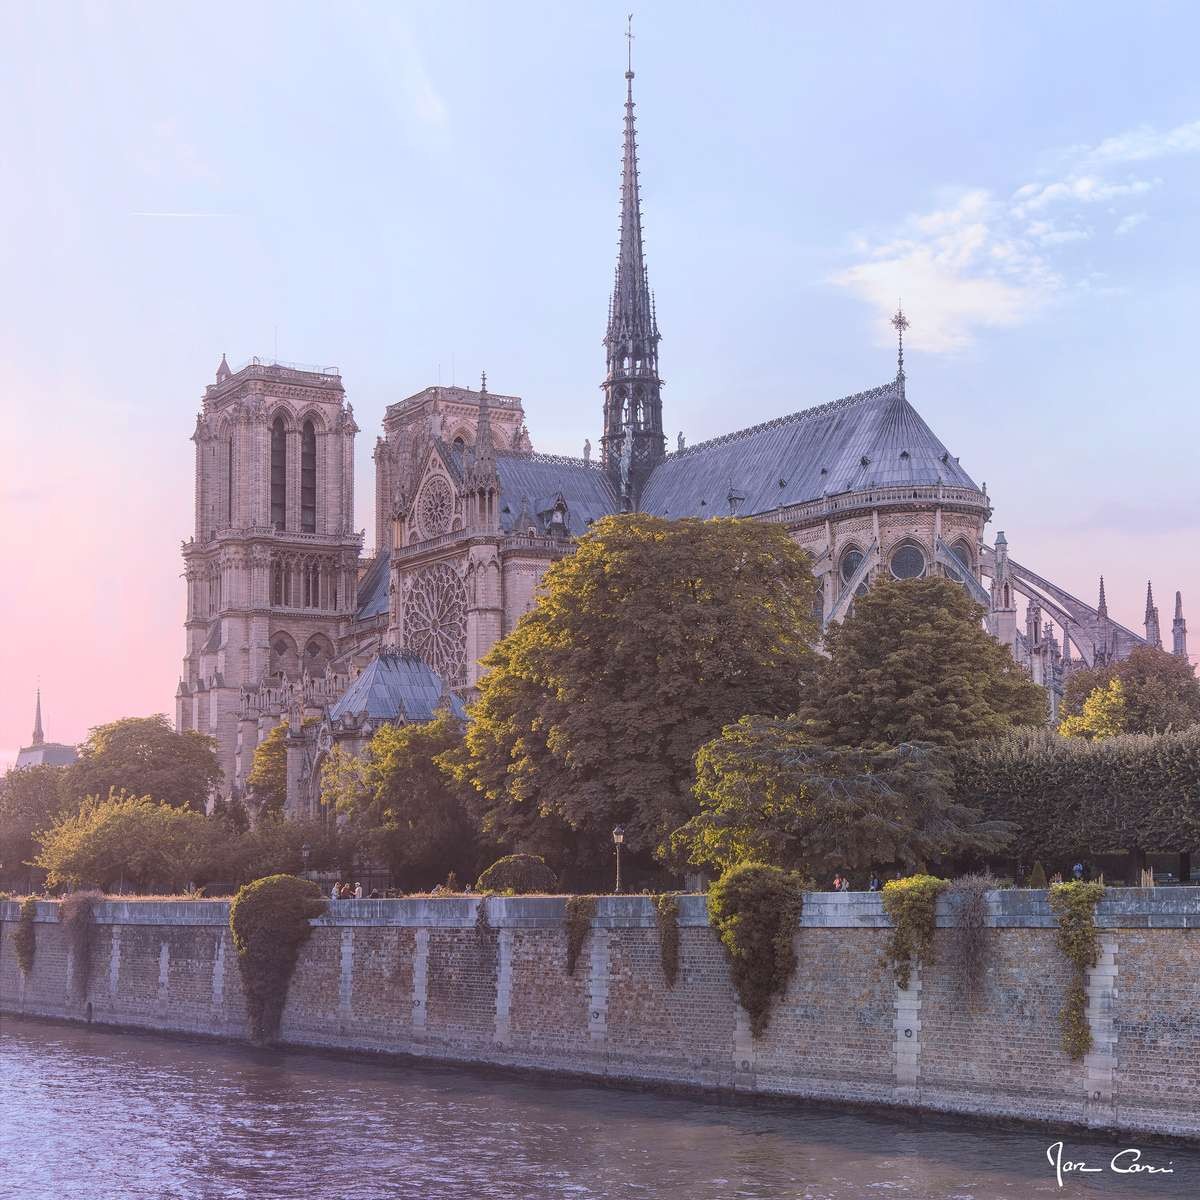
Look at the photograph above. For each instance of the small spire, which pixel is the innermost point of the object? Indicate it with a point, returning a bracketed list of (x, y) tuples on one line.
[(900, 324), (38, 736), (1179, 629), (223, 371), (1179, 606), (629, 39), (1152, 633), (1149, 598), (483, 383), (1102, 607)]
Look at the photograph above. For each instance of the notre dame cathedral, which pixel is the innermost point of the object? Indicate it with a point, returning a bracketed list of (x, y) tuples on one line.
[(288, 621)]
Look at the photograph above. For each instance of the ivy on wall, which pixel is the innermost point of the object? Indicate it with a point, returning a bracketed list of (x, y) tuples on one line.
[(666, 907), (970, 938), (1075, 906), (25, 938), (580, 911), (270, 921), (910, 904), (75, 913), (755, 910)]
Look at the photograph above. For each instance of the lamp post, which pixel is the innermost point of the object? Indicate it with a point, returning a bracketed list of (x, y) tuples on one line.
[(618, 838), (305, 851)]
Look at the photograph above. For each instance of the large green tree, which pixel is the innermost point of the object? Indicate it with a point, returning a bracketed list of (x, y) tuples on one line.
[(144, 756), (1160, 690), (411, 811), (769, 792), (30, 800), (647, 641), (267, 781), (913, 663), (1105, 714)]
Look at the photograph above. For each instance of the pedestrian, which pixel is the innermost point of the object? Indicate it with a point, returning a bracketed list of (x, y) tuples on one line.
[(336, 893), (1077, 871), (344, 892), (837, 882), (358, 892), (875, 885)]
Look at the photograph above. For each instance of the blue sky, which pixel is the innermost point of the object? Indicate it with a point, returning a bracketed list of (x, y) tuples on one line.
[(415, 191)]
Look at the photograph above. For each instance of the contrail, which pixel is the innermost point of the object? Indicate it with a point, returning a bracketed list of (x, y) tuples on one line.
[(182, 214)]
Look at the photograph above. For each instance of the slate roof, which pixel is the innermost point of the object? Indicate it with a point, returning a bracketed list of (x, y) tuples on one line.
[(47, 754), (373, 588), (873, 439), (395, 686), (541, 478)]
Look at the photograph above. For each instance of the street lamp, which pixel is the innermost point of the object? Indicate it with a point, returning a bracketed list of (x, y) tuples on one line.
[(305, 851), (618, 838)]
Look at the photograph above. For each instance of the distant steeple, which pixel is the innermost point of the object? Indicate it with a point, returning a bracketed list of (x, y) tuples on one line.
[(1152, 633), (1179, 629), (223, 371), (900, 324), (1102, 607), (38, 736), (632, 387)]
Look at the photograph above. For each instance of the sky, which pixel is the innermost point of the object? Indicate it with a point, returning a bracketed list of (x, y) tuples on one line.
[(418, 192)]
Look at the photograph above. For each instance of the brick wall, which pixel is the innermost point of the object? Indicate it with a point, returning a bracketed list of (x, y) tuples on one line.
[(425, 977)]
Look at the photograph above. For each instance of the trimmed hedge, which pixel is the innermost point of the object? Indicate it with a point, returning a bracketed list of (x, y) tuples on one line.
[(25, 939), (518, 875)]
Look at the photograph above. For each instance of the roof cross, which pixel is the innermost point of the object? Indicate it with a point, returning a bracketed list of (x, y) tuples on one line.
[(629, 38), (900, 324)]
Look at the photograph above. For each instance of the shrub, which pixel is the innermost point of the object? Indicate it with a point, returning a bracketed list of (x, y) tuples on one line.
[(755, 909), (1075, 906), (667, 908), (1037, 877), (970, 938), (270, 919), (518, 875), (75, 912), (580, 911), (25, 939), (910, 904)]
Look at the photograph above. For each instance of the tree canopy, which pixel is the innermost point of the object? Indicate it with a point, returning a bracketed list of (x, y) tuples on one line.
[(267, 781), (769, 792), (1104, 714), (648, 639), (413, 814), (144, 756), (1161, 690), (30, 799), (913, 663)]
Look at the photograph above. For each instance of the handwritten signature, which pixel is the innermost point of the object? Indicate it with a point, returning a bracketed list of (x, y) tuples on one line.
[(1124, 1162)]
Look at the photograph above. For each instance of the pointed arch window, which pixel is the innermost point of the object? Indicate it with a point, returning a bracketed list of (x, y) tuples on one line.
[(278, 474), (308, 478)]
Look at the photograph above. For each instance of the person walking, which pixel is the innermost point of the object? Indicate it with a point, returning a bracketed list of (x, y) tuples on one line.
[(876, 885), (358, 892), (336, 893), (838, 883)]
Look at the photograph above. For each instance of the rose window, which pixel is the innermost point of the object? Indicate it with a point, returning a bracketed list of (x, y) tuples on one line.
[(435, 507), (435, 621)]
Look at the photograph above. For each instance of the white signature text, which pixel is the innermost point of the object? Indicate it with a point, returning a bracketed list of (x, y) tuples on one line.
[(1124, 1162)]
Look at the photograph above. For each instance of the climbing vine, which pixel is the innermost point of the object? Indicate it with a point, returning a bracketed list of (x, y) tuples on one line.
[(755, 910), (270, 920), (970, 938), (580, 911), (75, 913), (25, 939), (667, 907), (1075, 906), (910, 904)]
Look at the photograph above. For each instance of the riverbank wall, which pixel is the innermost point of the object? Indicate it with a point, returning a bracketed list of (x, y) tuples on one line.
[(434, 979)]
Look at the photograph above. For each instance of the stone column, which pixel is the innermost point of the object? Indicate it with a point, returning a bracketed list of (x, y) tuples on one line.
[(1100, 1063), (907, 1040)]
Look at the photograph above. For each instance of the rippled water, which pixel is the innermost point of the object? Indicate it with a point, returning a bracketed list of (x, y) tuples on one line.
[(110, 1116)]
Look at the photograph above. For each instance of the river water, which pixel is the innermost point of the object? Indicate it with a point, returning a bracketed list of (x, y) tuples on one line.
[(97, 1115)]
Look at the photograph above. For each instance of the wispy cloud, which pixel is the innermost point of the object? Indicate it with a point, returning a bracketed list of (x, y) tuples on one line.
[(183, 214), (984, 260)]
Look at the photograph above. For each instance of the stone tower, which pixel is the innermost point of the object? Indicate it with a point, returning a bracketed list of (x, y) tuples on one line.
[(1179, 629), (632, 442), (272, 567)]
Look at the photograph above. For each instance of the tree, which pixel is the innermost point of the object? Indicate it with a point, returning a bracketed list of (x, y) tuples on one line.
[(30, 799), (122, 839), (267, 781), (913, 663), (770, 792), (1105, 714), (144, 756), (414, 814), (1161, 690), (647, 640)]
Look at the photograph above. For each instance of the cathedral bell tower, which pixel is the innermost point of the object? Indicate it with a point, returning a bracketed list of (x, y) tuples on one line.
[(632, 442)]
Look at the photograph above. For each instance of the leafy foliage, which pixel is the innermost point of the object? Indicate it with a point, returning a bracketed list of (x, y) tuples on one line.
[(769, 792), (666, 907), (648, 639), (1104, 714), (580, 911), (412, 812), (518, 874), (1075, 796), (910, 904), (1075, 906), (75, 913), (267, 781), (30, 800), (1037, 877), (1161, 690), (270, 919), (970, 939), (25, 938), (144, 756), (755, 910), (912, 663), (137, 840)]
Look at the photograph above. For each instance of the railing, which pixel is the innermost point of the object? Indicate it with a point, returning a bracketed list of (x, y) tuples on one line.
[(276, 697), (827, 506)]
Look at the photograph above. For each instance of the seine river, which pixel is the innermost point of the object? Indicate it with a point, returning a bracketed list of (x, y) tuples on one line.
[(107, 1116)]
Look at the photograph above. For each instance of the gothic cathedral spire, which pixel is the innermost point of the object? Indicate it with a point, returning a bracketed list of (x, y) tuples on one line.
[(1179, 629), (1152, 632), (38, 736), (632, 442)]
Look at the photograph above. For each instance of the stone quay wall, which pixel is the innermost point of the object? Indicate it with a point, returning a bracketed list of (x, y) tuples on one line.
[(427, 978)]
